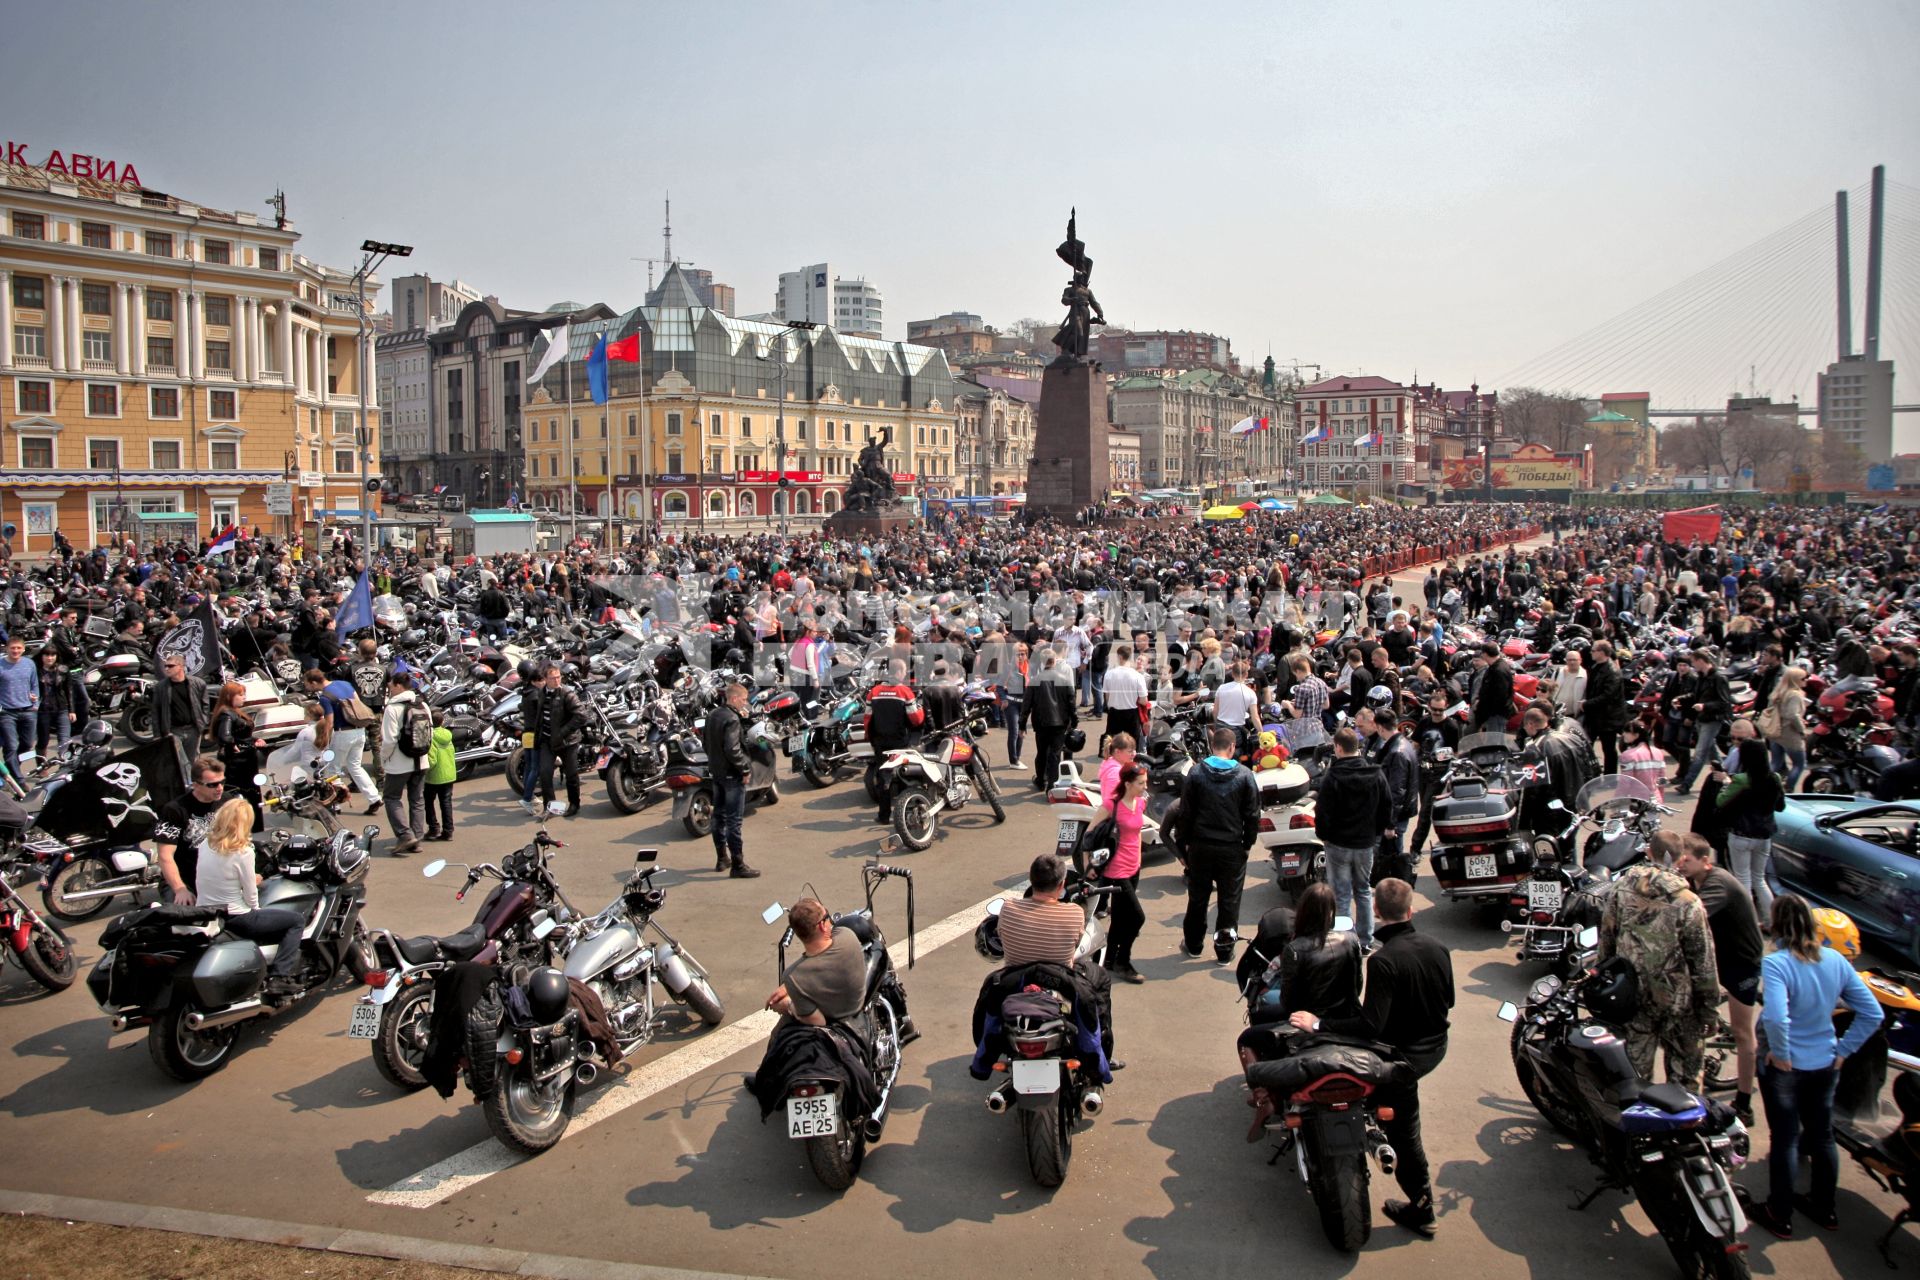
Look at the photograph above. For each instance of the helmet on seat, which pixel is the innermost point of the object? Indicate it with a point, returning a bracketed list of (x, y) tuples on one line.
[(546, 995), (98, 733), (1836, 929)]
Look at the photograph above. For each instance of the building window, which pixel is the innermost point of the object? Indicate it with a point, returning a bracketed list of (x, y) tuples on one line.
[(159, 244), (159, 305), (96, 299), (103, 400), (673, 424), (30, 342), (33, 396), (673, 462), (29, 226), (830, 429), (163, 402), (96, 235), (270, 260), (160, 353), (343, 422), (603, 426), (219, 356), (30, 292), (800, 429), (343, 460), (103, 455), (36, 453), (218, 251), (97, 346), (220, 312), (223, 455), (222, 406), (576, 428), (746, 426), (714, 463), (166, 453), (633, 423)]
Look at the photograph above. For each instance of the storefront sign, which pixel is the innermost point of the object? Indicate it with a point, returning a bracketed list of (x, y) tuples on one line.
[(76, 166), (312, 479), (773, 477)]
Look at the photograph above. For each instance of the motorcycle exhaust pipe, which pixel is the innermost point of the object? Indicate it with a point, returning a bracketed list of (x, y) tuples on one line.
[(226, 1017), (120, 1022), (111, 891), (1384, 1156), (1093, 1103), (871, 1129), (1000, 1099), (585, 1074)]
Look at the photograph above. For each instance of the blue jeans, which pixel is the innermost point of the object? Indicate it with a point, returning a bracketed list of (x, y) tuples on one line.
[(269, 925), (1704, 753), (1016, 735), (1799, 1107), (539, 765), (1788, 761), (729, 816), (1350, 872), (16, 735)]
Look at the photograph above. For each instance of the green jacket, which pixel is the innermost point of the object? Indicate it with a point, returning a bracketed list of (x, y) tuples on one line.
[(440, 766)]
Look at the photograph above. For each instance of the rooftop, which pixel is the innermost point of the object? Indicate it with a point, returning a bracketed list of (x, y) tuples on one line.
[(1355, 382), (20, 177)]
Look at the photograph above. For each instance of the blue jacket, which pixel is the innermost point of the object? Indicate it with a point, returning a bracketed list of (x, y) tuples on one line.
[(1797, 1006), (19, 684)]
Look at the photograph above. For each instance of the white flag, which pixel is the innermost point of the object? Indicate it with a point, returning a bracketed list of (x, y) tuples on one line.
[(558, 340)]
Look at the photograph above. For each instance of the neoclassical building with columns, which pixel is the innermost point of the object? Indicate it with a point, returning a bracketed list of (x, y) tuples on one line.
[(164, 363)]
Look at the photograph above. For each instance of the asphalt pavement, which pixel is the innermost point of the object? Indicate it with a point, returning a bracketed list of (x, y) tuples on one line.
[(672, 1167)]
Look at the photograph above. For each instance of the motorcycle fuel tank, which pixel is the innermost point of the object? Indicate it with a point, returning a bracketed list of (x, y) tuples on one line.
[(228, 971), (604, 949), (505, 905), (299, 896)]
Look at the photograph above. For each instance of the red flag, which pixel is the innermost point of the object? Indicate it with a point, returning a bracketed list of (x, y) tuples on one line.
[(628, 348), (1695, 522)]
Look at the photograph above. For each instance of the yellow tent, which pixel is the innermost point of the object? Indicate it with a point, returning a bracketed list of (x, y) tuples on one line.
[(1223, 513)]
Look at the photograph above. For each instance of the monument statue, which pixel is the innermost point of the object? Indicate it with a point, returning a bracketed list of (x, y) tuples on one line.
[(871, 487), (1083, 309)]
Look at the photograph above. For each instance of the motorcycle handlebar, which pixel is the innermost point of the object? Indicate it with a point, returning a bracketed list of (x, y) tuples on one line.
[(883, 869)]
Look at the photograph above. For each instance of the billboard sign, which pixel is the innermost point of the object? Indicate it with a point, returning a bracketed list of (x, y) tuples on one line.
[(1531, 466)]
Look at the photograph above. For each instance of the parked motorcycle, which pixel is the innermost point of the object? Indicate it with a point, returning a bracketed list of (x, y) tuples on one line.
[(818, 1108), (1562, 895), (174, 971), (35, 943), (1481, 852), (941, 775), (1672, 1150), (823, 748), (694, 792)]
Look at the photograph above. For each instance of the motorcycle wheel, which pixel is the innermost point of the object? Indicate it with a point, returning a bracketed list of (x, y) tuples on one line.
[(1700, 1256), (1049, 1142), (526, 1117), (137, 722), (699, 817), (623, 798), (983, 779), (49, 960), (401, 1047), (1567, 1124), (914, 820), (836, 1158), (1340, 1194), (77, 876), (183, 1053), (516, 774), (699, 997), (819, 774)]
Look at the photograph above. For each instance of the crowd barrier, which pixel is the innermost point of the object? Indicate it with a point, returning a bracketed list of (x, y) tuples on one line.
[(1417, 557)]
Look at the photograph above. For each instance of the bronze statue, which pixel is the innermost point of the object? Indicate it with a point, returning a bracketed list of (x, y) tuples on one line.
[(871, 486), (1083, 309)]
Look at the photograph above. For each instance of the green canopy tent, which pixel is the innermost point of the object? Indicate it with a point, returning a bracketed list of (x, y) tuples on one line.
[(1328, 500)]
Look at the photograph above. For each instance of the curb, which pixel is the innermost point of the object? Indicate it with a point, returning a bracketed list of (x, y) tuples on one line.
[(371, 1244)]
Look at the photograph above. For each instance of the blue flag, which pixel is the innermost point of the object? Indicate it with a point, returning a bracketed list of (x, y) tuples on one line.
[(356, 611), (597, 370)]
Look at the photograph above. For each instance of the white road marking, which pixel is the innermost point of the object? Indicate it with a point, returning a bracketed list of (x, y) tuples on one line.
[(477, 1163)]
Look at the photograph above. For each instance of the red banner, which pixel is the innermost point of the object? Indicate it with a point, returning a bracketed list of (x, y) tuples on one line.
[(1696, 522)]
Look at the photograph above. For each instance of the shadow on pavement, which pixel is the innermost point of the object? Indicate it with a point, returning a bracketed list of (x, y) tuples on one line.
[(375, 1164), (743, 1177)]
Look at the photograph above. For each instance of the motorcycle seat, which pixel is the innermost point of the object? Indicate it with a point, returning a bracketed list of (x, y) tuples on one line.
[(1670, 1098), (455, 946)]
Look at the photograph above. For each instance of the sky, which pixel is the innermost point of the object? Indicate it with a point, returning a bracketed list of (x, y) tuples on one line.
[(1448, 189)]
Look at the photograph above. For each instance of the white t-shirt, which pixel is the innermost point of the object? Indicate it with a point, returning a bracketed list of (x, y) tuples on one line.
[(1233, 703), (1124, 688)]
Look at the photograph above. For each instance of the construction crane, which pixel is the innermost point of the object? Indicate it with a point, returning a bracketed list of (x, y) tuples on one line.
[(663, 262)]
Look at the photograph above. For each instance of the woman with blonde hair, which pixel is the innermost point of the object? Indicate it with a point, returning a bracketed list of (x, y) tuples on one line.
[(226, 880), (1787, 743)]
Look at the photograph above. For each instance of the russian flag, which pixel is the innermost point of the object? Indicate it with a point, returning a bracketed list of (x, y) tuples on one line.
[(1319, 435), (222, 544), (1371, 441), (439, 488), (1248, 425)]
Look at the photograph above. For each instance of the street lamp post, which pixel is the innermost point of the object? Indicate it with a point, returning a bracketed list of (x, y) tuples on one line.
[(377, 251), (782, 496)]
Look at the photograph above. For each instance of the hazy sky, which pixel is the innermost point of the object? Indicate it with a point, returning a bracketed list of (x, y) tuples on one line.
[(1452, 188)]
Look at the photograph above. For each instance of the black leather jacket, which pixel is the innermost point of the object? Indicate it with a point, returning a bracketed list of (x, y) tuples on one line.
[(725, 741), (1321, 976)]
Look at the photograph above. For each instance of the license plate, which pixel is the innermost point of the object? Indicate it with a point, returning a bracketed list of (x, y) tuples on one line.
[(1290, 864), (1069, 832), (814, 1117), (365, 1023), (1036, 1075), (796, 742), (1544, 895), (601, 763), (1481, 866), (861, 751)]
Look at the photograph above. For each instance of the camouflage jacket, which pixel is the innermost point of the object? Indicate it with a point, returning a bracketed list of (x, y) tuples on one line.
[(1657, 923)]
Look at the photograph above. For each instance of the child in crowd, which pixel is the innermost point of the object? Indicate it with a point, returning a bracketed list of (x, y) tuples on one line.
[(441, 772)]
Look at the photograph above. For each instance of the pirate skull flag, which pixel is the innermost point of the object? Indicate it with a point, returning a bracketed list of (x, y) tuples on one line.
[(197, 641)]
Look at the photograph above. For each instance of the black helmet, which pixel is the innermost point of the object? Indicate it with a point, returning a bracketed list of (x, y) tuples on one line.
[(527, 671), (1612, 994), (98, 733), (546, 995), (1076, 741)]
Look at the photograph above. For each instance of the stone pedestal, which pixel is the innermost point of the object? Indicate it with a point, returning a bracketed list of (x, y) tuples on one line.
[(868, 524), (1069, 471)]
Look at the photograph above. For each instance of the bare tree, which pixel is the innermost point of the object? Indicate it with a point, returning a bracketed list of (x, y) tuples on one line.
[(1557, 420), (1839, 464)]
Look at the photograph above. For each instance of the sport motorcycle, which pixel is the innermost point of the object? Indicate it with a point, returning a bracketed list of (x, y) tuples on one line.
[(943, 774)]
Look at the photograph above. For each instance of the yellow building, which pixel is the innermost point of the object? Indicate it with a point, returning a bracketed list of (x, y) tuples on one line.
[(164, 363)]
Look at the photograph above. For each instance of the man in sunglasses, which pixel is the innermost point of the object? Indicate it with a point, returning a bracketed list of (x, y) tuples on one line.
[(180, 704), (182, 825)]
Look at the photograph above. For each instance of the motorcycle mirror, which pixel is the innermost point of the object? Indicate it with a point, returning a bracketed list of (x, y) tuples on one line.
[(259, 779), (1509, 1012), (772, 913), (642, 857), (995, 907), (1589, 937), (1555, 805), (633, 717), (326, 757), (370, 831), (434, 868)]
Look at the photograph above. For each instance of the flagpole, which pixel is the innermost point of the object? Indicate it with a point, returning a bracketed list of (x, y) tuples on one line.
[(573, 495)]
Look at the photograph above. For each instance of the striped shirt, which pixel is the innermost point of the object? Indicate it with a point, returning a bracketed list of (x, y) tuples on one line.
[(1034, 930)]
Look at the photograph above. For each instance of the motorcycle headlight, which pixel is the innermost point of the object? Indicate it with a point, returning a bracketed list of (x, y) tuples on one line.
[(93, 677)]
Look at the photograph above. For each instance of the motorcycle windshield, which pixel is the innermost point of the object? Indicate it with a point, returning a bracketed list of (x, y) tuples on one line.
[(1612, 795)]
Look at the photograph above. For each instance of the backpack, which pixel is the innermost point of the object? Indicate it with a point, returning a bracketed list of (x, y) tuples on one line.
[(416, 730)]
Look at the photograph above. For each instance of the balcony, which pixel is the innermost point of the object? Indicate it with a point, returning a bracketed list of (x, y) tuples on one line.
[(91, 365), (31, 362), (162, 370)]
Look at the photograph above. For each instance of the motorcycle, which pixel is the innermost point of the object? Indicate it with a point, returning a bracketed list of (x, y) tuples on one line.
[(174, 971), (694, 792), (510, 930), (1481, 852), (818, 1112), (1050, 1084), (1672, 1150), (942, 774), (545, 1054), (1559, 897), (91, 827), (36, 944), (823, 748)]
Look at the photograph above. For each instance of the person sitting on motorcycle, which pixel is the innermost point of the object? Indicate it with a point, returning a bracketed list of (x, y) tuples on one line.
[(893, 715), (829, 982), (227, 881), (182, 824), (1320, 966), (1042, 929)]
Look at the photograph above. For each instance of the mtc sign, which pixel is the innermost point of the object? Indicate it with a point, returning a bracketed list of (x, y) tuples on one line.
[(76, 165)]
